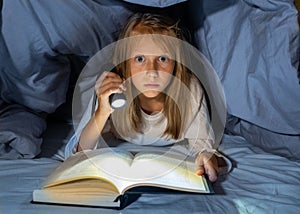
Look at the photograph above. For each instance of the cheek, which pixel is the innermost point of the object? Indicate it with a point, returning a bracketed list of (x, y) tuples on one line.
[(167, 73), (135, 70), (167, 79), (136, 79), (168, 68)]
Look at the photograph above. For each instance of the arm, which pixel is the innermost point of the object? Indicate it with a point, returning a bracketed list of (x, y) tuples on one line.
[(91, 132), (203, 145), (107, 84), (201, 138)]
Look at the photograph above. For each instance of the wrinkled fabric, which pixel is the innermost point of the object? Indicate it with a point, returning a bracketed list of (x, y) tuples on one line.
[(156, 3), (285, 145), (20, 132), (38, 41), (260, 182), (254, 47), (39, 36)]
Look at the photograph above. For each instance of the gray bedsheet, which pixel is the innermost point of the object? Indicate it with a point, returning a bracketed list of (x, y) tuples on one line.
[(259, 183)]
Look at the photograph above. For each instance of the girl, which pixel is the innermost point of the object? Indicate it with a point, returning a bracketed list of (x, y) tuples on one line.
[(166, 103)]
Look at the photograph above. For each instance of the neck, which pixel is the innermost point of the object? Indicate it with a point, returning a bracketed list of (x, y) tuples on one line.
[(151, 105)]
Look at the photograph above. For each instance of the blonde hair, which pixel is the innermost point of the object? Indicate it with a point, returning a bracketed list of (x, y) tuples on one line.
[(177, 108)]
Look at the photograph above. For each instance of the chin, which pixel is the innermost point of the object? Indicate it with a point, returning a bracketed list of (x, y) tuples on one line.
[(151, 94)]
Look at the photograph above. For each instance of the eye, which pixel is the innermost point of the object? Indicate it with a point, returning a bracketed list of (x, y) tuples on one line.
[(163, 59), (139, 59)]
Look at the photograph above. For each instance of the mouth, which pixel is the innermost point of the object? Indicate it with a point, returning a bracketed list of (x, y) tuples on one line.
[(151, 85)]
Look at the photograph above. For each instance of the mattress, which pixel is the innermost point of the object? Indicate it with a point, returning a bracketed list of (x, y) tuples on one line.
[(259, 182)]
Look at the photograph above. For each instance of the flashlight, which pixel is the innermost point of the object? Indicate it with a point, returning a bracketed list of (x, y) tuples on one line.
[(116, 100)]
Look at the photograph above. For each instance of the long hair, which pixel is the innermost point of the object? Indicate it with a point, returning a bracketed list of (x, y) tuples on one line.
[(177, 96)]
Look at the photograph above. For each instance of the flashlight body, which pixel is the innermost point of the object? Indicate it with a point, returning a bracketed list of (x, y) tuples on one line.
[(117, 100)]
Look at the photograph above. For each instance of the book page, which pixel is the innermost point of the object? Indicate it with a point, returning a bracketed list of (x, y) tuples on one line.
[(173, 171), (91, 164), (148, 165), (125, 169), (92, 192)]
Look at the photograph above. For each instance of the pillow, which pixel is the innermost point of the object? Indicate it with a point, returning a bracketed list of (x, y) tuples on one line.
[(254, 47)]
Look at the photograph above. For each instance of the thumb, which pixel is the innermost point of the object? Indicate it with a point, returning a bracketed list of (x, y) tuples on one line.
[(199, 166)]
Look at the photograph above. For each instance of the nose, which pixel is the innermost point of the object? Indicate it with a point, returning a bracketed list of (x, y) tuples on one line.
[(152, 68)]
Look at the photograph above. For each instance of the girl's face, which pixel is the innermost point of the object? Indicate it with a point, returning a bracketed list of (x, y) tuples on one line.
[(151, 67)]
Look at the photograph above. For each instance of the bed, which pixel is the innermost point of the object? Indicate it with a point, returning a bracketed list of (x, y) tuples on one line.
[(253, 46)]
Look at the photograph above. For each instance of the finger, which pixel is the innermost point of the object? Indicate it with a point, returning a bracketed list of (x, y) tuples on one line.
[(123, 86), (100, 79), (200, 170), (112, 79), (107, 77), (108, 74), (112, 75), (207, 164), (200, 165), (210, 171), (105, 92), (109, 84)]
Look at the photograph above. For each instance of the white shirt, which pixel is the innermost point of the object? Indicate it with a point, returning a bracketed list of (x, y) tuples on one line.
[(198, 133)]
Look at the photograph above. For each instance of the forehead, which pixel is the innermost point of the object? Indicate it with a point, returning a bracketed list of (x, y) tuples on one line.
[(147, 46), (151, 45)]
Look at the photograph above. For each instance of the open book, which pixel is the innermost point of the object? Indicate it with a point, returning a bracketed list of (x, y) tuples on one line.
[(101, 177)]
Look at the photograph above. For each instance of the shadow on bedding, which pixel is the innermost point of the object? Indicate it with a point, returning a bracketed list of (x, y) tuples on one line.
[(55, 138)]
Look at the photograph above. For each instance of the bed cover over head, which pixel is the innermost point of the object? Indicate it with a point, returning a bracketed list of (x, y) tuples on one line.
[(253, 46)]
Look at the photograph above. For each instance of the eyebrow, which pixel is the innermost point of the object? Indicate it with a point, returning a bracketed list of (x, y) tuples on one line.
[(136, 53)]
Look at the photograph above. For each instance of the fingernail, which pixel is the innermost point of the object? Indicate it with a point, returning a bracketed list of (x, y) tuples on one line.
[(199, 172)]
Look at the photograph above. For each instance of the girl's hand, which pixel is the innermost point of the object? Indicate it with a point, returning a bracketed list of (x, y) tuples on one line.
[(207, 163), (108, 83)]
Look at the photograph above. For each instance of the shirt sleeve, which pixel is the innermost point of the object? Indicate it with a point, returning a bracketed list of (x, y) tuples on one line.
[(199, 133), (71, 146)]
